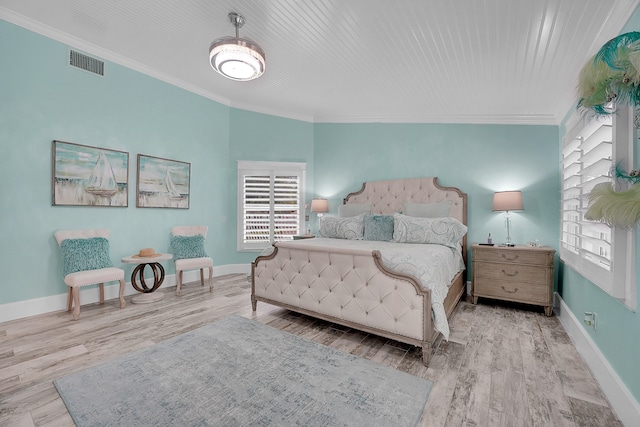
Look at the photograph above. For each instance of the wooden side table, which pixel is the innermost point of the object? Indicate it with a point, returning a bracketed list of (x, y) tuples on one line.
[(520, 274), (148, 294)]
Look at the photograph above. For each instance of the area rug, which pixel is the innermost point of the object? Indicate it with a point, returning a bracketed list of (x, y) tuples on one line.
[(239, 372)]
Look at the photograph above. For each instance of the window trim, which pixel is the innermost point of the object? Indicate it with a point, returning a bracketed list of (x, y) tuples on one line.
[(620, 280), (244, 166)]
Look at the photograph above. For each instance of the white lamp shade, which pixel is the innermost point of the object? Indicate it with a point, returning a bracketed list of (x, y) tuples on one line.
[(320, 205), (508, 201)]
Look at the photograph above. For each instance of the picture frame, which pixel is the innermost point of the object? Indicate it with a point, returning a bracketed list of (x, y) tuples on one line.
[(162, 183), (83, 175)]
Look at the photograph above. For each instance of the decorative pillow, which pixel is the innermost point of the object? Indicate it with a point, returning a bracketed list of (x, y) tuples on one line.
[(428, 210), (188, 246), (354, 209), (378, 227), (84, 254), (351, 228), (442, 231)]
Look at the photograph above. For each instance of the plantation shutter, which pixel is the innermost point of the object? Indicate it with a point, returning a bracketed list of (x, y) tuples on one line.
[(286, 206), (586, 162), (256, 223), (271, 203)]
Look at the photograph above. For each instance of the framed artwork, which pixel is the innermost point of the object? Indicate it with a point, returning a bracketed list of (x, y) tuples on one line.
[(162, 183), (89, 176)]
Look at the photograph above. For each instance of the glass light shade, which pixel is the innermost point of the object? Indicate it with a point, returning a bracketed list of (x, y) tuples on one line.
[(507, 201), (237, 58), (320, 205)]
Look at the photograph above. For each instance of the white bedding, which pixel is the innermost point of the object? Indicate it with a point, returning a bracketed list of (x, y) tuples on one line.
[(434, 266)]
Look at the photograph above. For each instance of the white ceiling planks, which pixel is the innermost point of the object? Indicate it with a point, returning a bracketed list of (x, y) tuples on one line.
[(448, 61)]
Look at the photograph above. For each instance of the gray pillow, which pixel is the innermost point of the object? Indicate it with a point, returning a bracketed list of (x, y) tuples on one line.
[(351, 228), (445, 231), (354, 209), (428, 210)]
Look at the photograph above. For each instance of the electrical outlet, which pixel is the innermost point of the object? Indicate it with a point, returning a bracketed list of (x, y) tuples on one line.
[(306, 217), (590, 319)]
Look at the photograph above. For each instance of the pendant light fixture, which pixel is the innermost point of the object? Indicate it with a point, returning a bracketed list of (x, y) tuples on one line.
[(237, 58)]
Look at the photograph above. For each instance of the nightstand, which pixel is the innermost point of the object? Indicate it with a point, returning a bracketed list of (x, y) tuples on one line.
[(520, 274), (303, 236)]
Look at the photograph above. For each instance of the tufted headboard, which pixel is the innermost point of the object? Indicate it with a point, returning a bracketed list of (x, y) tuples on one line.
[(389, 196)]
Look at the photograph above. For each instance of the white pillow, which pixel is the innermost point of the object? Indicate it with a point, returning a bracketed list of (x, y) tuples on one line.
[(351, 228), (354, 209), (428, 210), (442, 231)]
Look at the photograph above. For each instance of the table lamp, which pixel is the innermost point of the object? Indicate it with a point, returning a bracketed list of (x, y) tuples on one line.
[(320, 207), (507, 201)]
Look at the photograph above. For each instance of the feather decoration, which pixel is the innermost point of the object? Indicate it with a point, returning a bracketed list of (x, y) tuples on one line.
[(595, 89), (632, 176), (609, 53), (614, 208), (611, 76)]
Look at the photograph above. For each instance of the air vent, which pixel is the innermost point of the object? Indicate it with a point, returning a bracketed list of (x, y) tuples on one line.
[(87, 63)]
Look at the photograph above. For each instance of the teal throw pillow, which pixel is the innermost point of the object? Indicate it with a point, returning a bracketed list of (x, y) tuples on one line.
[(85, 254), (188, 246), (378, 227)]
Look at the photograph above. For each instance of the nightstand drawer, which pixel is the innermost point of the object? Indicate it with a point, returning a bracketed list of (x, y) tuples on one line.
[(520, 274), (511, 273), (511, 291), (515, 256)]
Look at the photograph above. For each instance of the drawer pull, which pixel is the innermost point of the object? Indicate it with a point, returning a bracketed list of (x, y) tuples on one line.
[(508, 258), (509, 274), (510, 292)]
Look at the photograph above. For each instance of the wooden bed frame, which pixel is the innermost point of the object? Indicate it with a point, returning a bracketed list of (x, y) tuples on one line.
[(319, 282)]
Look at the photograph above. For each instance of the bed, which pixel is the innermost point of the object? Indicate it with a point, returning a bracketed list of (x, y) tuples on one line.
[(373, 286)]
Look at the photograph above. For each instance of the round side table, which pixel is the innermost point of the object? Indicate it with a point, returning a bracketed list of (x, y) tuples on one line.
[(147, 294)]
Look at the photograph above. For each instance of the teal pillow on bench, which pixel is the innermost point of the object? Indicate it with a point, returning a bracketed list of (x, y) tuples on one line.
[(188, 247), (85, 254)]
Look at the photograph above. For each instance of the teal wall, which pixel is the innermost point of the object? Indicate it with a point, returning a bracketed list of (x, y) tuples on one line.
[(262, 137), (617, 333), (42, 99), (479, 159)]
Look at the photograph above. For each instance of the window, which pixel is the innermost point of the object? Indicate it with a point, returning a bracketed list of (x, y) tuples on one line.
[(605, 255), (270, 203)]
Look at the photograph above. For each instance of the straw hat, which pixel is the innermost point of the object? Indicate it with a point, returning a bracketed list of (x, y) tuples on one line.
[(147, 253)]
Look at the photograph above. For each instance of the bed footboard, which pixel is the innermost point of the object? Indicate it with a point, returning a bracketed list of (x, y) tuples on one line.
[(352, 288)]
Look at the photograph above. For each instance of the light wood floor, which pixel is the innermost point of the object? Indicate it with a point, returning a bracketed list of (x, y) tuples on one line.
[(503, 366)]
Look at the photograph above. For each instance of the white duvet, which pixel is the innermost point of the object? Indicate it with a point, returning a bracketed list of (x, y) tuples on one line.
[(434, 266)]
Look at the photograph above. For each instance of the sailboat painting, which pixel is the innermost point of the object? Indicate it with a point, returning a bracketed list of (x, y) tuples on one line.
[(89, 176), (162, 183)]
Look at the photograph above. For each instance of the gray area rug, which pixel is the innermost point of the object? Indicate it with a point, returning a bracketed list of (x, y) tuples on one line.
[(239, 372)]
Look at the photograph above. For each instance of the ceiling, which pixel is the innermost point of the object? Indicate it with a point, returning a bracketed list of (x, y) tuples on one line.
[(403, 61)]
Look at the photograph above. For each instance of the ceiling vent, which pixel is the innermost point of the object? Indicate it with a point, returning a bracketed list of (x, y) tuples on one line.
[(87, 63)]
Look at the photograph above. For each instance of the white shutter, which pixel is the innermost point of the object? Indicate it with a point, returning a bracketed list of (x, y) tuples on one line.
[(256, 198), (286, 206), (270, 203), (586, 161), (605, 255)]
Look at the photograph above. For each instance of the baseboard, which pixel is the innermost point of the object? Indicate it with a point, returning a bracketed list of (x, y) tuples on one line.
[(619, 396), (90, 294)]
